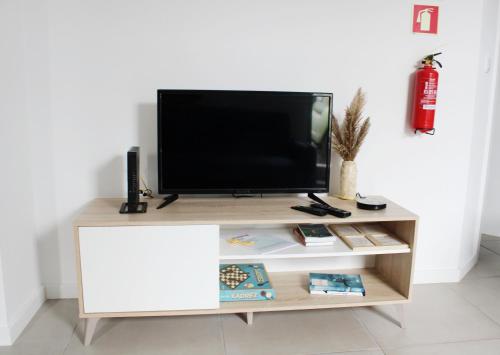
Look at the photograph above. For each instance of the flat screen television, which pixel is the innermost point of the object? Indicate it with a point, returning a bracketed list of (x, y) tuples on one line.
[(243, 142)]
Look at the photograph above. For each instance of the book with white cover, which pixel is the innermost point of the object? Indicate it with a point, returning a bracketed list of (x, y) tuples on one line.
[(261, 244), (358, 242), (318, 244), (387, 241), (371, 229), (367, 236), (380, 236), (345, 230)]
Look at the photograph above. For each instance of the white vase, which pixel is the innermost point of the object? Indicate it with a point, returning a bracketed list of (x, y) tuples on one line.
[(348, 177)]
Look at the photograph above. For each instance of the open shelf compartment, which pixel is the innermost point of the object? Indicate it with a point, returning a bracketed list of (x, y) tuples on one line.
[(292, 293), (339, 248)]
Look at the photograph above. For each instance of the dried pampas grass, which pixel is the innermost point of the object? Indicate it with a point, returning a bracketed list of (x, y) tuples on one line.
[(348, 137)]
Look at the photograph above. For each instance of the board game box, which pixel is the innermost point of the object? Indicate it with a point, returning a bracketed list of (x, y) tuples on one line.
[(244, 282)]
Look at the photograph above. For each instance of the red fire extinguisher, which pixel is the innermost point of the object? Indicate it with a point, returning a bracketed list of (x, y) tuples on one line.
[(424, 102)]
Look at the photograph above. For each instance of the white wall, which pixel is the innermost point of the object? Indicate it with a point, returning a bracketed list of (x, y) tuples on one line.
[(81, 77), (20, 282), (491, 209), (487, 91), (79, 84), (108, 58), (4, 325)]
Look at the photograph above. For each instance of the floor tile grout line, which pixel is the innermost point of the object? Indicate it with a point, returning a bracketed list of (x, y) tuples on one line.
[(460, 341), (385, 349), (75, 327), (365, 327), (486, 236), (476, 278), (443, 343), (40, 312), (221, 329), (440, 343), (347, 352), (494, 252), (475, 306), (362, 323)]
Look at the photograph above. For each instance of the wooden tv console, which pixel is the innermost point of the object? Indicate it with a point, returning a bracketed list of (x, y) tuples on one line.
[(166, 262)]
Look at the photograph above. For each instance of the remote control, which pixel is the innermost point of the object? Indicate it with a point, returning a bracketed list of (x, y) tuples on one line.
[(310, 210), (334, 211)]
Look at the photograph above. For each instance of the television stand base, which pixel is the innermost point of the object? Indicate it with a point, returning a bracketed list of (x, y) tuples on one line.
[(155, 247), (240, 195), (139, 207), (167, 201)]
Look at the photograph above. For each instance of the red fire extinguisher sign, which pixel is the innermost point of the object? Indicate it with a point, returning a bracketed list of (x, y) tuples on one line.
[(425, 19)]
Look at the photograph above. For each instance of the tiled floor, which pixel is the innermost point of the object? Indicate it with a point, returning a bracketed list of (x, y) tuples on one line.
[(458, 319)]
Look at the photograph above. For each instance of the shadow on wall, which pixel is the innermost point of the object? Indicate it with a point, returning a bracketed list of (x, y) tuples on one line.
[(409, 131), (49, 256), (51, 263), (147, 137), (55, 240), (111, 178), (110, 182)]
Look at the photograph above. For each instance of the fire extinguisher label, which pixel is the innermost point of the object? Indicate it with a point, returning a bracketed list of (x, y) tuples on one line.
[(428, 98)]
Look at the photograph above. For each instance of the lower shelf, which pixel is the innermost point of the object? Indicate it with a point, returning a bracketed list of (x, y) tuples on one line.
[(292, 293)]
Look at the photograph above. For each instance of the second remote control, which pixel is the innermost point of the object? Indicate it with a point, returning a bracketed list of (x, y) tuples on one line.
[(334, 211), (310, 210)]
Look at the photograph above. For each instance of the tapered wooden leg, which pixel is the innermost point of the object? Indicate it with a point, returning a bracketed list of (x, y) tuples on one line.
[(249, 318), (90, 325), (400, 314)]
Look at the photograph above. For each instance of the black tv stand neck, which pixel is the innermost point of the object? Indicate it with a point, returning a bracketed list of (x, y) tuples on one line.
[(317, 199), (238, 195), (167, 201)]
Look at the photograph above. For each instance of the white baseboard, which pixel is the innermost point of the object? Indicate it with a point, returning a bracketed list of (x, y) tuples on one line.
[(5, 338), (59, 291), (10, 331), (436, 276), (464, 270), (444, 275)]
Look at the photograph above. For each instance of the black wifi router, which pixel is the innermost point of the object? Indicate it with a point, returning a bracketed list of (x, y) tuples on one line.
[(370, 203)]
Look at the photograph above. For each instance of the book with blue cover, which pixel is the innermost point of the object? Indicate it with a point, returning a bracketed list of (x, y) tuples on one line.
[(336, 284), (244, 282)]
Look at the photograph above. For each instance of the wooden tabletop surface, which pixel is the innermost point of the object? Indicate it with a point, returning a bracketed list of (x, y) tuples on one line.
[(230, 211)]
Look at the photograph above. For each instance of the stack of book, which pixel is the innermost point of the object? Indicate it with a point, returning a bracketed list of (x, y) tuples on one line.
[(336, 284), (315, 235), (380, 236), (367, 236)]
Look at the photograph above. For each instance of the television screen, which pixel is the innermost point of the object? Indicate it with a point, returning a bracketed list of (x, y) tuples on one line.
[(243, 141)]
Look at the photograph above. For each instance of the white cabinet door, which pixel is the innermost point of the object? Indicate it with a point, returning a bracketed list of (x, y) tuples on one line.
[(149, 268)]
